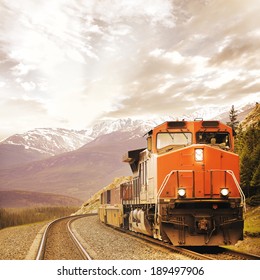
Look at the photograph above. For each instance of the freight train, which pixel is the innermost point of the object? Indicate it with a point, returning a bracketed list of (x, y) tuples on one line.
[(184, 189)]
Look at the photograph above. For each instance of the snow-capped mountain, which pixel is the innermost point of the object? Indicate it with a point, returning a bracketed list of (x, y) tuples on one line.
[(125, 125), (41, 143), (54, 141), (219, 113), (103, 127), (51, 141)]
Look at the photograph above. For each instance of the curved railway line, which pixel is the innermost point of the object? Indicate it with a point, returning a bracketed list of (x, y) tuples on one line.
[(60, 243)]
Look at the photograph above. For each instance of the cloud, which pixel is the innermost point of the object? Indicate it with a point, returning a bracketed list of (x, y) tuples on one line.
[(21, 114), (21, 69), (81, 60), (24, 105), (28, 86), (155, 11), (238, 51)]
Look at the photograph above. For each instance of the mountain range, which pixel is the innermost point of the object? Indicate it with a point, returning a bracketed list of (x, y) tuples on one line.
[(41, 143), (77, 163), (78, 173)]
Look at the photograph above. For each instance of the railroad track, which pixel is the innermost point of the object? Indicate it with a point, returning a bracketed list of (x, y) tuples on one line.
[(60, 243), (179, 250), (202, 253), (197, 252), (182, 251), (223, 253)]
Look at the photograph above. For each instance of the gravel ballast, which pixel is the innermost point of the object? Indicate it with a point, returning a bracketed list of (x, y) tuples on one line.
[(20, 242), (101, 242), (105, 243)]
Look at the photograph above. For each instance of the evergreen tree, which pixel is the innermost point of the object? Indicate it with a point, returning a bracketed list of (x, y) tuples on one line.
[(255, 182), (239, 140), (248, 148), (233, 118)]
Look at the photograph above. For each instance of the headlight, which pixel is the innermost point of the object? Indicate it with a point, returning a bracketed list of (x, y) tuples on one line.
[(199, 154), (224, 192), (181, 192)]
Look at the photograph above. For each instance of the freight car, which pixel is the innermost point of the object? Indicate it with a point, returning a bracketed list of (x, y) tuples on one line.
[(185, 186)]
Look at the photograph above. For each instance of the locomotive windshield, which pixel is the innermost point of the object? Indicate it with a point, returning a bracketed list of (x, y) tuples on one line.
[(213, 138), (173, 138)]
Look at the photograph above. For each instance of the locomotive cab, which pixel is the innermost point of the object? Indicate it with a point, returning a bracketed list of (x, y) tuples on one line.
[(207, 206)]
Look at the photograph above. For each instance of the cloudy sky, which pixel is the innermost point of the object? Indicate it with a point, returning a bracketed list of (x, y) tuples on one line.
[(67, 63)]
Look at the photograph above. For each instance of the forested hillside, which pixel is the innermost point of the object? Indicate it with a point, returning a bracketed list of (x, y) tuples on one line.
[(248, 148)]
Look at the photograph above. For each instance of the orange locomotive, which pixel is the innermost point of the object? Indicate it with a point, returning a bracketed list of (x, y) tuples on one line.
[(185, 188)]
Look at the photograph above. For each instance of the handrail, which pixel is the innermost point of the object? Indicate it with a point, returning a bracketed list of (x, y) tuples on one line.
[(230, 172), (166, 179), (243, 197)]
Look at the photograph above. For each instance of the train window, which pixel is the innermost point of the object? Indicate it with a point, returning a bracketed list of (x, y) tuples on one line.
[(173, 138), (176, 124), (210, 123), (214, 138)]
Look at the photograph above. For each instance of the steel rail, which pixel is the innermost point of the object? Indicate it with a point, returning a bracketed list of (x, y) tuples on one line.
[(41, 250), (191, 254), (81, 249), (176, 249), (222, 253), (240, 255), (188, 251), (42, 246)]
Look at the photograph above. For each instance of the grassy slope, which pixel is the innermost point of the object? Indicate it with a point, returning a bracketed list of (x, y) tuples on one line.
[(252, 222), (251, 242)]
